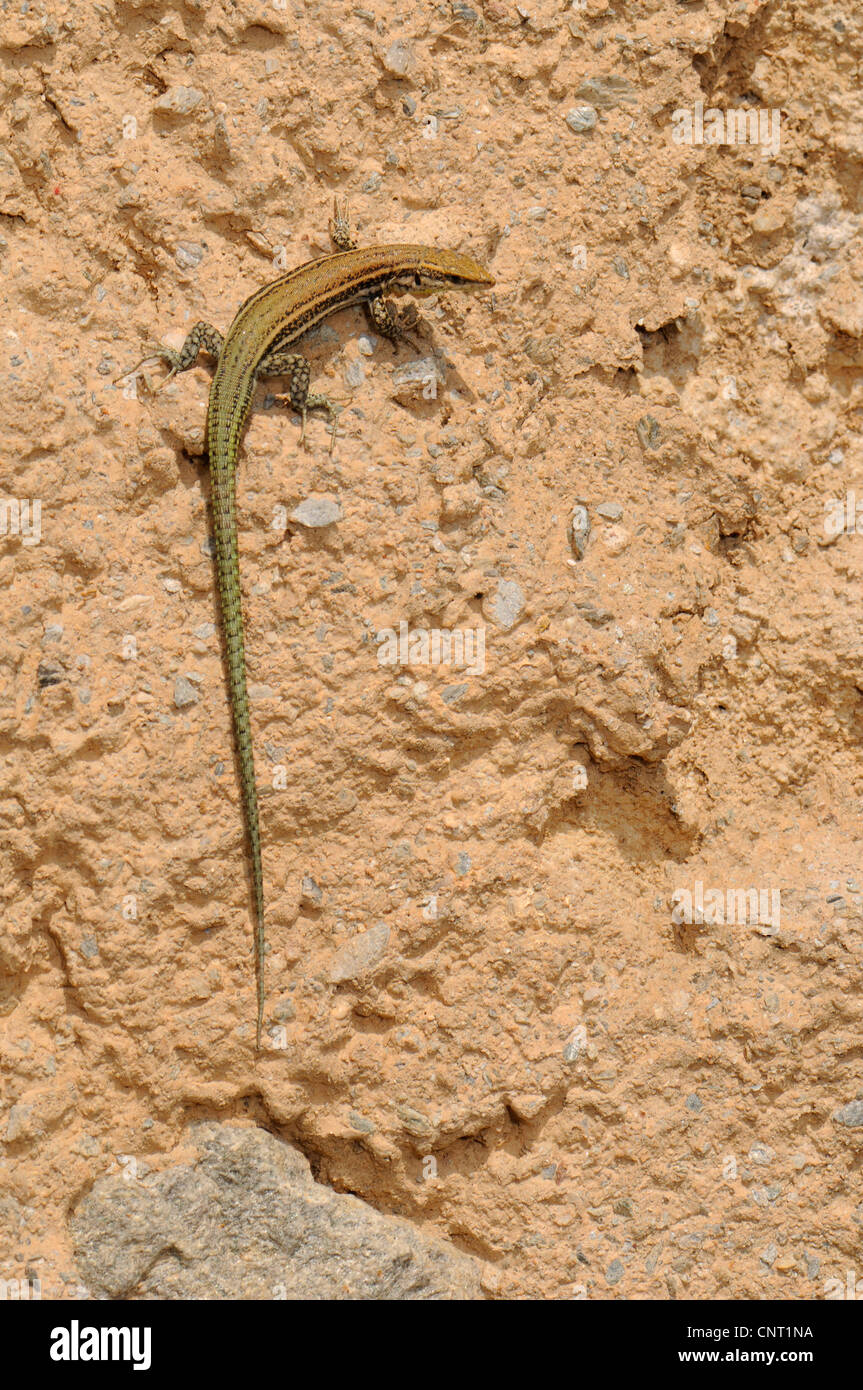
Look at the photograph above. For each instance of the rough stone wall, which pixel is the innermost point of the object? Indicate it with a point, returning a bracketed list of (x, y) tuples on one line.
[(634, 469)]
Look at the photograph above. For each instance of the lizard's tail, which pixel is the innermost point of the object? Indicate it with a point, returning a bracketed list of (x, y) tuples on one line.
[(225, 529)]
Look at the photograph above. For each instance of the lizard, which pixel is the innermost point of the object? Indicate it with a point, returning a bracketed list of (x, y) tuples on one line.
[(257, 344)]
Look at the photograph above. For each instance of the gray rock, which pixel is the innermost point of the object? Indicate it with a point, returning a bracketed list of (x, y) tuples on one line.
[(17, 1121), (850, 1115), (48, 675), (420, 374), (579, 530), (594, 614), (179, 101), (185, 693), (507, 604), (399, 59), (189, 254), (761, 1153), (607, 91), (247, 1221), (314, 512), (311, 892), (360, 954), (649, 432), (581, 118), (611, 511)]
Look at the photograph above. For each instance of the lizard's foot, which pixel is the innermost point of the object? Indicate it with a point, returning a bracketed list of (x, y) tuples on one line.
[(339, 226), (331, 410)]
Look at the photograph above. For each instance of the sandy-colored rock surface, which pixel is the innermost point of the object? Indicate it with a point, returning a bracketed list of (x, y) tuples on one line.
[(564, 943)]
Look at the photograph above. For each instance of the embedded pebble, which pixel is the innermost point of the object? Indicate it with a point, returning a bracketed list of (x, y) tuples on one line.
[(315, 512), (579, 530), (360, 953), (188, 254), (850, 1115), (507, 605), (399, 58), (185, 693), (607, 91), (310, 892), (581, 118), (179, 101)]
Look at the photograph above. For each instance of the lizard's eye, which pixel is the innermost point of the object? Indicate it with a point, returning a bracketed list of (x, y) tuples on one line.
[(418, 280)]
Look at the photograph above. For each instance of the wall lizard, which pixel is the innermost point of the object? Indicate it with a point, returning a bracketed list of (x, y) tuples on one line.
[(256, 345)]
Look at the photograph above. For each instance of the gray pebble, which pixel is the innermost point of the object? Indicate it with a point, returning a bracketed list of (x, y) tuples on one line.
[(188, 254), (761, 1153), (507, 605), (649, 432), (315, 512), (48, 675), (185, 693), (606, 92), (179, 101), (850, 1115), (399, 58), (16, 1120), (581, 118), (360, 953), (579, 531), (310, 892)]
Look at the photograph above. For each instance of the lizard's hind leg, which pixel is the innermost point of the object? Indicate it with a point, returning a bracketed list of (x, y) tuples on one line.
[(294, 366)]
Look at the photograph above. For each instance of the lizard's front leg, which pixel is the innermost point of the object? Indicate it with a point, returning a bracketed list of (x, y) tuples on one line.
[(202, 337), (391, 322), (385, 317), (294, 366)]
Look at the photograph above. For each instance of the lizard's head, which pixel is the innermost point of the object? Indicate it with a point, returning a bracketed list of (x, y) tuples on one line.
[(436, 270)]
